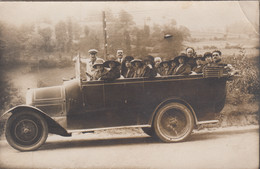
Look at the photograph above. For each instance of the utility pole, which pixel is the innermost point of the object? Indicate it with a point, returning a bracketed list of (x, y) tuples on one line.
[(105, 34)]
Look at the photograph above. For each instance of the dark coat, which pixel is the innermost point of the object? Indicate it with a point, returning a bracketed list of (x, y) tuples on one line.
[(111, 75), (143, 71), (158, 70), (98, 74), (185, 69), (171, 71), (165, 72), (191, 62), (128, 74)]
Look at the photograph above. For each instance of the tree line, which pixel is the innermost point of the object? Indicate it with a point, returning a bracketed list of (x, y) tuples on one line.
[(35, 41)]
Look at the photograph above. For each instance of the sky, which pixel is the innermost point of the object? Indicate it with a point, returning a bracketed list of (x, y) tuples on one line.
[(196, 15)]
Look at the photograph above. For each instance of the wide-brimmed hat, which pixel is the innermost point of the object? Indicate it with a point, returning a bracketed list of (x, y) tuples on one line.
[(98, 62), (137, 60), (111, 59), (165, 60), (207, 54), (182, 55), (200, 57), (128, 58), (149, 58), (93, 51), (175, 60)]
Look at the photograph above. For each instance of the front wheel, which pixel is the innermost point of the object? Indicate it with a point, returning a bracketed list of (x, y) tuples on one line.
[(26, 131), (173, 122)]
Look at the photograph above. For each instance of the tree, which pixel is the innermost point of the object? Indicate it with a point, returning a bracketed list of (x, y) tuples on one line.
[(46, 34)]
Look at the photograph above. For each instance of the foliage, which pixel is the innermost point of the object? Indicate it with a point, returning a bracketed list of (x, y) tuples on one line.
[(246, 88)]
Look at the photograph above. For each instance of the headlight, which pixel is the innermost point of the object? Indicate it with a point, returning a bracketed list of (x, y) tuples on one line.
[(29, 95)]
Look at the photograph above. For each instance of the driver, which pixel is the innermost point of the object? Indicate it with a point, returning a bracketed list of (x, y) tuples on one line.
[(89, 63)]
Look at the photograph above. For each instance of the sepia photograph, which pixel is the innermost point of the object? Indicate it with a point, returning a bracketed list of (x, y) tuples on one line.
[(129, 84)]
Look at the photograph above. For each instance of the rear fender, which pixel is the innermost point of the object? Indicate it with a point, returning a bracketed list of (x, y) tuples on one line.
[(53, 126)]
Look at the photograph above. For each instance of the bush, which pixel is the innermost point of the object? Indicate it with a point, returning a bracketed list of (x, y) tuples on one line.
[(244, 89)]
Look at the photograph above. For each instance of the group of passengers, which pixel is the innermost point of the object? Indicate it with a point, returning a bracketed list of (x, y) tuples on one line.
[(130, 67)]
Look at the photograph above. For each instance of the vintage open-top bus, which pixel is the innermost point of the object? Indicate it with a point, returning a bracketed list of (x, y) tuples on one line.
[(164, 107)]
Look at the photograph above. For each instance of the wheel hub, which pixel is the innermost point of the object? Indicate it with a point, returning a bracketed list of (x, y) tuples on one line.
[(26, 130)]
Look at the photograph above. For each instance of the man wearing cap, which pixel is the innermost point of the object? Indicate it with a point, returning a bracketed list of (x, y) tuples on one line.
[(89, 63), (99, 69), (120, 56)]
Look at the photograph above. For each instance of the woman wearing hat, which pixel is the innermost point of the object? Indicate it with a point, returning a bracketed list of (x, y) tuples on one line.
[(173, 65), (99, 69), (127, 69), (199, 64), (149, 62), (208, 58), (140, 69), (183, 68), (165, 67), (114, 71)]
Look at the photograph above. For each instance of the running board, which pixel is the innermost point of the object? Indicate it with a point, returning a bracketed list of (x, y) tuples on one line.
[(106, 128), (207, 122)]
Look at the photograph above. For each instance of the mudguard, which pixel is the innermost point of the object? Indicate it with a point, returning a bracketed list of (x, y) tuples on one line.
[(56, 126)]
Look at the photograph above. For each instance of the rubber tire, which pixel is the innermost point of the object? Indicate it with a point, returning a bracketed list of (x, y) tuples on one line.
[(189, 122), (149, 131), (40, 124)]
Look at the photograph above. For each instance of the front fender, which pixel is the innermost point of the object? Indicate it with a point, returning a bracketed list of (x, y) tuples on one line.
[(55, 125)]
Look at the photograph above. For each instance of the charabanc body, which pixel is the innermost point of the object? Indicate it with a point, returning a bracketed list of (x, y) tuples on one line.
[(165, 107)]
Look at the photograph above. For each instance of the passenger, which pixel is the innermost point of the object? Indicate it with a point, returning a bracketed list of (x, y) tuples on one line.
[(140, 69), (89, 63), (217, 57), (127, 68), (149, 62), (120, 56), (165, 67), (100, 70), (191, 54), (157, 61), (183, 68), (114, 71), (173, 65), (208, 58), (199, 61)]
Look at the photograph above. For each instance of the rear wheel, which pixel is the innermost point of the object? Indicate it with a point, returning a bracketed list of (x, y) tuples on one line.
[(26, 131), (173, 122)]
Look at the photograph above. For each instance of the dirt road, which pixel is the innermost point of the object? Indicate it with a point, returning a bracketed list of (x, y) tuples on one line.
[(220, 148)]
